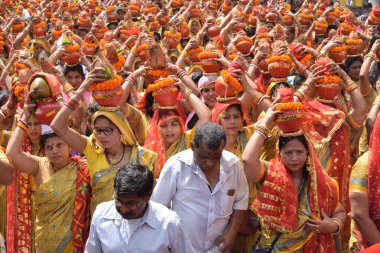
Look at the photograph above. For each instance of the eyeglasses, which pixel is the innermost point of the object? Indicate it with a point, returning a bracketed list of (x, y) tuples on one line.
[(106, 131), (129, 205)]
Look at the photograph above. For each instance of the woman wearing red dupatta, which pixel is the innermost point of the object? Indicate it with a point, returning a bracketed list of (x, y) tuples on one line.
[(306, 223), (365, 188)]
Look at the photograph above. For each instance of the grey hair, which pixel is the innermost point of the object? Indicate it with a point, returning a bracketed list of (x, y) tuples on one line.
[(210, 134)]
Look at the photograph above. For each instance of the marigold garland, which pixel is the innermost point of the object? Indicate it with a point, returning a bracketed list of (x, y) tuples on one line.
[(120, 62), (226, 7), (150, 9), (110, 84), (159, 72), (19, 65), (171, 35), (277, 58), (133, 7), (374, 17), (2, 43), (143, 47), (354, 41), (264, 36), (57, 33), (306, 16), (287, 18), (232, 57), (18, 27), (207, 55), (160, 84), (110, 9), (89, 44), (306, 59), (195, 51), (72, 48), (329, 79), (321, 25), (289, 106), (348, 26), (101, 30), (338, 49), (231, 80), (244, 38), (20, 90), (40, 24), (84, 20)]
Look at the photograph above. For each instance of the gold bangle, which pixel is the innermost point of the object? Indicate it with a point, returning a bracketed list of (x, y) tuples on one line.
[(299, 95), (355, 125), (339, 223), (263, 129), (307, 85), (257, 98), (261, 133), (350, 87), (187, 94)]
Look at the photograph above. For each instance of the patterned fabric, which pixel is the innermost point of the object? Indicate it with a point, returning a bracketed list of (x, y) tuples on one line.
[(279, 210), (81, 216), (359, 175)]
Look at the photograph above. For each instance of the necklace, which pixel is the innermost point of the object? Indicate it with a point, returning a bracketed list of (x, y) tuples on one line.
[(113, 164)]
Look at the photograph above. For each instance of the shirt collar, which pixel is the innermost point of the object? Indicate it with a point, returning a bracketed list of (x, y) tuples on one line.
[(149, 217)]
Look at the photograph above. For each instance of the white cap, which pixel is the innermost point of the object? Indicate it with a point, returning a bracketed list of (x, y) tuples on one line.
[(45, 129)]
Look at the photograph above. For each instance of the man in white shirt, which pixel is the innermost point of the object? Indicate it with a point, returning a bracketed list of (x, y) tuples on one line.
[(132, 223), (207, 188)]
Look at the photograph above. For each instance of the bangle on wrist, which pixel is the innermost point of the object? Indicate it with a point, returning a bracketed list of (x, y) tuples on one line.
[(263, 129), (339, 223), (350, 87), (72, 104), (261, 133), (377, 100), (21, 124), (187, 93)]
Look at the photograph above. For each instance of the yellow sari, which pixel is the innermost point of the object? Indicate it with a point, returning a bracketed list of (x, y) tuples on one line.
[(54, 203)]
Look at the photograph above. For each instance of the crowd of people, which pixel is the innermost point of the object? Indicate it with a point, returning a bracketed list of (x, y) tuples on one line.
[(189, 126)]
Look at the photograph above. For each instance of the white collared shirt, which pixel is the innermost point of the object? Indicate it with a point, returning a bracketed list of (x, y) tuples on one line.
[(158, 231), (205, 212)]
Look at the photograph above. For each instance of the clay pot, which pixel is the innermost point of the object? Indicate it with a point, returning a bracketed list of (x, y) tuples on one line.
[(271, 17), (112, 17), (46, 110), (173, 43), (211, 66), (353, 49), (238, 27), (166, 96), (74, 9), (144, 56), (39, 31), (289, 121), (287, 20), (49, 14), (214, 31), (331, 18), (108, 97), (263, 66), (194, 58), (99, 35), (244, 46), (338, 57), (71, 59), (89, 51), (328, 91), (224, 90), (279, 69)]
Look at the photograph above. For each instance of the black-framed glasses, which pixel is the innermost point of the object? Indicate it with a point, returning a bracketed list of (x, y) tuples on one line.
[(131, 205), (106, 131)]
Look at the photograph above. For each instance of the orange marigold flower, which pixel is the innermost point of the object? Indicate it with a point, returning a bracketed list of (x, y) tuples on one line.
[(354, 41), (277, 58), (172, 35), (110, 9), (329, 79), (338, 49), (2, 43), (101, 30), (20, 90), (84, 20), (307, 16), (73, 48), (194, 50), (120, 63), (207, 55), (160, 84), (321, 25), (110, 84), (89, 44), (231, 80), (19, 65), (348, 26), (133, 7), (244, 38), (143, 47), (290, 106), (40, 24), (151, 9), (159, 72), (306, 59)]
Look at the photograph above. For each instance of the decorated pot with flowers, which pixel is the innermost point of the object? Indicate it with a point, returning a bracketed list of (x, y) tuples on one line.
[(346, 29), (328, 87), (271, 16), (153, 26), (290, 118), (44, 90), (279, 66), (134, 10), (227, 86), (163, 19), (142, 52), (89, 46), (176, 4), (108, 93), (151, 10), (172, 39), (153, 75), (209, 63), (374, 16), (331, 17), (320, 26), (20, 91), (2, 44), (164, 92), (214, 31), (226, 7), (74, 8), (195, 13), (18, 26), (39, 29), (213, 5), (338, 54), (354, 44), (72, 56), (193, 54), (244, 44), (288, 20), (305, 18)]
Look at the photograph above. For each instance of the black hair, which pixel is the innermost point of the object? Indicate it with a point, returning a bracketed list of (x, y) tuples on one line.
[(196, 76), (93, 108), (374, 73), (251, 31), (4, 95), (351, 60), (283, 140), (77, 68), (298, 81), (367, 6), (331, 27), (45, 137), (134, 178), (157, 37), (210, 134), (149, 104)]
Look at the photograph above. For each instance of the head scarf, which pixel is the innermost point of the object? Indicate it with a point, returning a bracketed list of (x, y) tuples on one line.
[(119, 120), (277, 206), (190, 23), (154, 141), (219, 111), (41, 41)]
